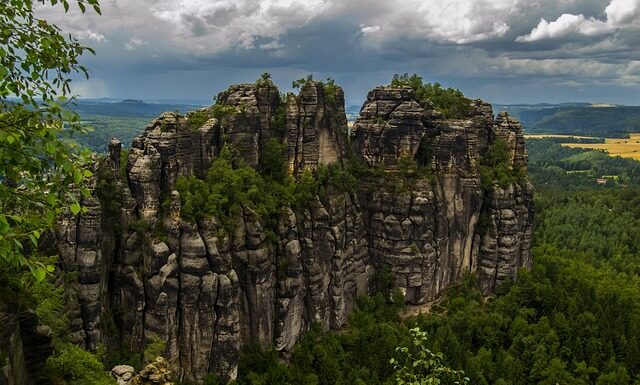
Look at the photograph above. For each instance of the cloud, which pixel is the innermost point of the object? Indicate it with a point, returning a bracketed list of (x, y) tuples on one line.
[(90, 35), (633, 68), (272, 45), (455, 21), (619, 14), (214, 25), (134, 43), (371, 29), (493, 46), (562, 27)]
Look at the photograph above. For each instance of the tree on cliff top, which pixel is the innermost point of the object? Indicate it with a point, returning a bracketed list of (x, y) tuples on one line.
[(450, 102), (41, 170)]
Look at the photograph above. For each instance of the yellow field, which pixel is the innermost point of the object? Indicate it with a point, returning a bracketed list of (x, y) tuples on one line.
[(627, 148), (542, 136)]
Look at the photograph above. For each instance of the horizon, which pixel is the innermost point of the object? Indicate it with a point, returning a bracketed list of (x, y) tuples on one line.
[(196, 102)]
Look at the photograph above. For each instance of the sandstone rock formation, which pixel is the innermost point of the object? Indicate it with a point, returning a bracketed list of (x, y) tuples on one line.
[(154, 373), (316, 129), (123, 374), (145, 272)]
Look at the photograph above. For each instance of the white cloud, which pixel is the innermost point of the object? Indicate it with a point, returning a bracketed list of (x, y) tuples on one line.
[(563, 26), (368, 30), (633, 68), (90, 35), (456, 21), (561, 67), (214, 25), (619, 14), (134, 43)]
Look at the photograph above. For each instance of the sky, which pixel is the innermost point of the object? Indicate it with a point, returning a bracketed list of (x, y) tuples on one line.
[(503, 51)]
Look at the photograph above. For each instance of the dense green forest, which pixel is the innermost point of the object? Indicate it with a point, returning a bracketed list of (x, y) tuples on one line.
[(105, 127), (572, 319), (551, 165)]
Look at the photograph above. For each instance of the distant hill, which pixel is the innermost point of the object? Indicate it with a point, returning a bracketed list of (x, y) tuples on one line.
[(602, 120), (129, 107), (123, 119)]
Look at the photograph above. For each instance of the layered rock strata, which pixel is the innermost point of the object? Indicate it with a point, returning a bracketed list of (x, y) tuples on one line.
[(145, 273)]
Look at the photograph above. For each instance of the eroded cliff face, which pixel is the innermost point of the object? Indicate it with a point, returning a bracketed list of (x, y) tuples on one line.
[(426, 231), (144, 272)]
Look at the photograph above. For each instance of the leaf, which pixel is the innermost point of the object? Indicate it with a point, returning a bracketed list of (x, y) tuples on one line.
[(75, 208), (4, 225), (87, 173), (39, 274), (77, 176), (52, 198), (33, 239)]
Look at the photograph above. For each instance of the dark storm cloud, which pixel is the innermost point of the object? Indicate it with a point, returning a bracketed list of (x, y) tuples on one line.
[(502, 50)]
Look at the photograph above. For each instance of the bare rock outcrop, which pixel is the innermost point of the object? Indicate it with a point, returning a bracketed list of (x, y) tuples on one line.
[(154, 373), (145, 272), (251, 121), (316, 126), (389, 126)]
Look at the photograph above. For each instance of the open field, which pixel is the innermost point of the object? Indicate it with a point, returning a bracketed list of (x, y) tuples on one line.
[(543, 136), (628, 148)]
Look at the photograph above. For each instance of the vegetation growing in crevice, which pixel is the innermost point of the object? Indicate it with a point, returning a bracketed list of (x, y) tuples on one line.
[(273, 164), (222, 111), (109, 192), (226, 190), (280, 117), (124, 159), (410, 169), (450, 102), (331, 92), (154, 348), (219, 111), (496, 166), (197, 119)]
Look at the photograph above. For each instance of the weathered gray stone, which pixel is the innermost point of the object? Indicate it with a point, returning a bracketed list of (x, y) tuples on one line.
[(207, 293)]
